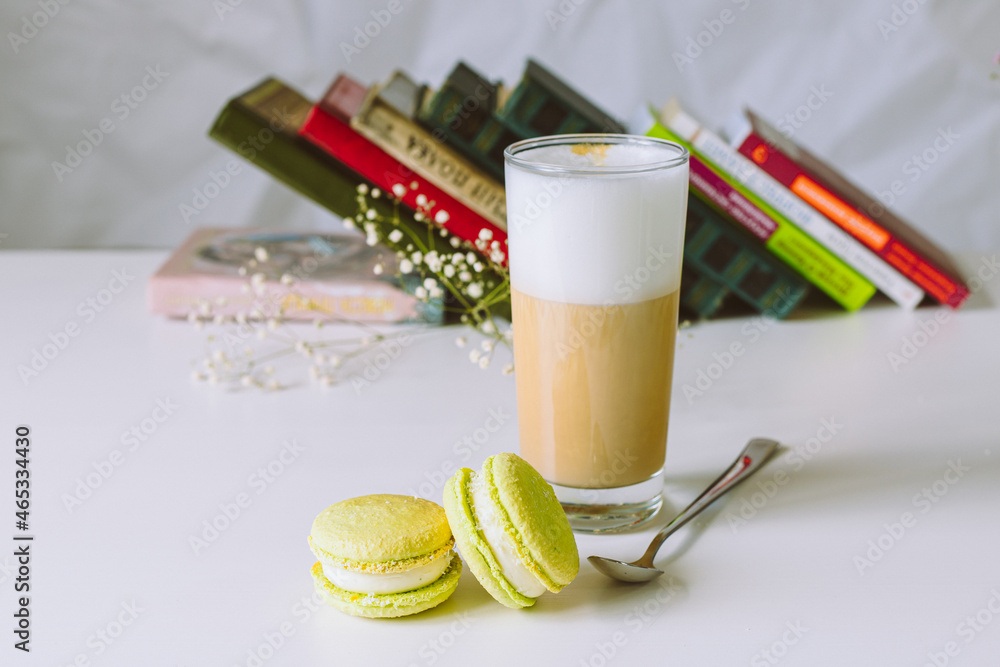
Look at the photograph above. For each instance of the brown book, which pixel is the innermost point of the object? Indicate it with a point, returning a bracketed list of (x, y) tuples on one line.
[(387, 119)]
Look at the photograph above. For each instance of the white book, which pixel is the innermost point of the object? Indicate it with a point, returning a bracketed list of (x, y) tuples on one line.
[(891, 282)]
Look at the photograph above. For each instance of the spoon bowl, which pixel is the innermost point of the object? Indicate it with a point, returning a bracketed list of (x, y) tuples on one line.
[(753, 456)]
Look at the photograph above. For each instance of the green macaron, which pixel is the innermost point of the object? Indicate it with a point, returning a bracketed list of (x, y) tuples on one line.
[(511, 530), (382, 556)]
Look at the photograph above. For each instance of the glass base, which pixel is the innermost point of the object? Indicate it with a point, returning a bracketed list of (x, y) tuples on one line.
[(611, 510)]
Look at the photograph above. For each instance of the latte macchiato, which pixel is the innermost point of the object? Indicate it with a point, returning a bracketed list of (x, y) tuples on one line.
[(596, 231)]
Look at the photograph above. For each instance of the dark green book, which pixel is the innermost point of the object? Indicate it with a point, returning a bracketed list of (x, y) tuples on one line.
[(719, 250), (543, 104), (468, 113), (701, 297)]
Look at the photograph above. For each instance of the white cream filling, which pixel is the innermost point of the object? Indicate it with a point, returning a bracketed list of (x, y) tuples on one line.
[(397, 582), (511, 565)]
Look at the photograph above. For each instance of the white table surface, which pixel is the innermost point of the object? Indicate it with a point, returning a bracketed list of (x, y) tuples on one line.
[(788, 581)]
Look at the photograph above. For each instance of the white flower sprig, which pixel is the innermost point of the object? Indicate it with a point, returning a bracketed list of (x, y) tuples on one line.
[(470, 278), (242, 351)]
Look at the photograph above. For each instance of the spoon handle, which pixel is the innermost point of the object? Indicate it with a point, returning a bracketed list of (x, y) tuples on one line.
[(753, 456)]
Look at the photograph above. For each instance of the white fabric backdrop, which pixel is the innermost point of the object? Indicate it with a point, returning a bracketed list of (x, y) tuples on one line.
[(890, 93)]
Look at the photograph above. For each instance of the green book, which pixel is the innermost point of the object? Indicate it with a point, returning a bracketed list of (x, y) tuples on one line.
[(806, 255)]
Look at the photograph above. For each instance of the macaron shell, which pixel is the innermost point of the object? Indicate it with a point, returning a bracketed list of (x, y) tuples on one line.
[(380, 529), (391, 605), (474, 549), (538, 522)]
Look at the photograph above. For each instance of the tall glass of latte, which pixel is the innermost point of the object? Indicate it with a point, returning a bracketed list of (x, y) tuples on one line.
[(595, 234)]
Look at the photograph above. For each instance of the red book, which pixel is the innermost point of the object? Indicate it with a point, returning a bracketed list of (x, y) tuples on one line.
[(861, 216), (327, 126)]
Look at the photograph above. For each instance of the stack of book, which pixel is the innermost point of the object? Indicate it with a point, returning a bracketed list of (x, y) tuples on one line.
[(752, 237), (776, 198)]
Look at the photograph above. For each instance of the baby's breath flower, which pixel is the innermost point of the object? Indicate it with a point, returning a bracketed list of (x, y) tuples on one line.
[(405, 266), (370, 214), (421, 200), (470, 257), (273, 385), (430, 283), (474, 356), (442, 217), (257, 279), (478, 266), (349, 224), (399, 190), (376, 193), (242, 271), (488, 327), (287, 279), (485, 234), (436, 292), (475, 290), (378, 269), (449, 270), (487, 345), (246, 381), (417, 257), (420, 292), (395, 236), (460, 341), (363, 188), (465, 277), (507, 369), (484, 363), (455, 241), (261, 254)]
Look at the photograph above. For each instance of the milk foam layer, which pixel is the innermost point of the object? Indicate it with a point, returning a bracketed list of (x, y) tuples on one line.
[(380, 584), (596, 238)]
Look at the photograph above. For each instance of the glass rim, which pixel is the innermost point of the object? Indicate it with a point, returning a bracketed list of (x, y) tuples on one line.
[(511, 154)]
